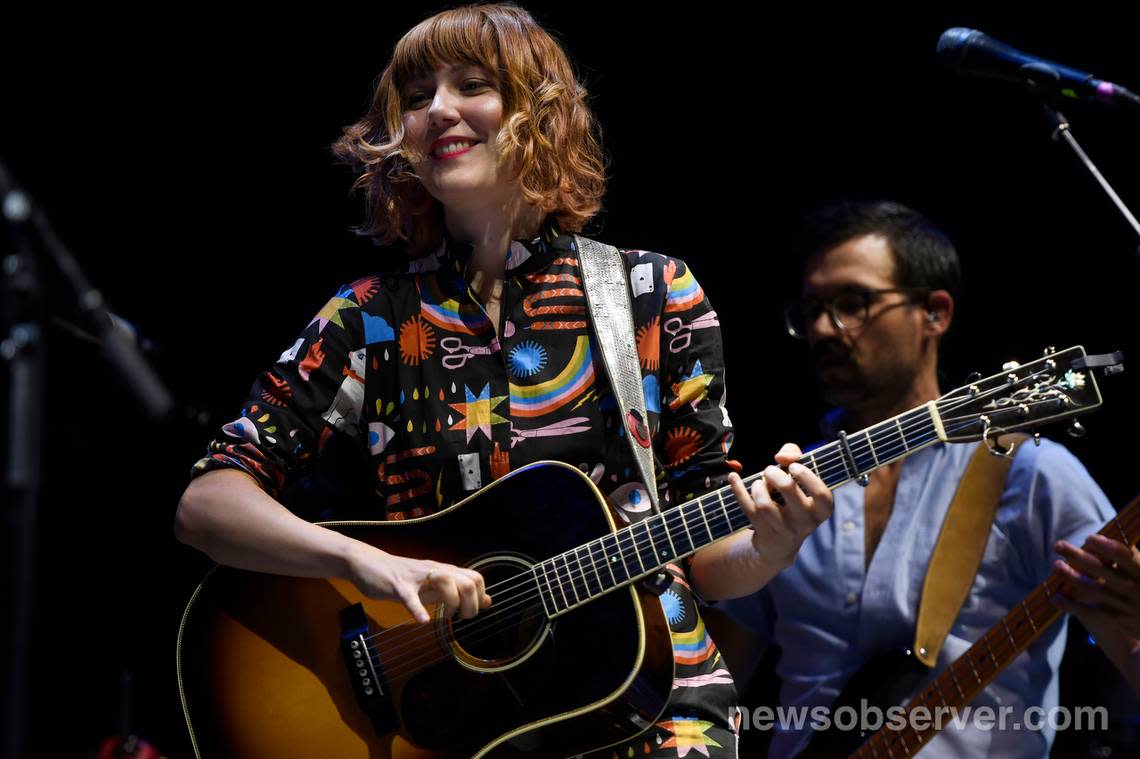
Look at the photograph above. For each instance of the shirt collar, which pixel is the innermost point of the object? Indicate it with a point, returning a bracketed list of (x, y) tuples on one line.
[(524, 256), (831, 423)]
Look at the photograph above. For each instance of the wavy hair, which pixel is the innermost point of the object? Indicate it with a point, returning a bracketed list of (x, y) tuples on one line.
[(548, 131)]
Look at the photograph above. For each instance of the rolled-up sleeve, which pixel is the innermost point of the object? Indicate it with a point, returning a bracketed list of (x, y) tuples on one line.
[(313, 392)]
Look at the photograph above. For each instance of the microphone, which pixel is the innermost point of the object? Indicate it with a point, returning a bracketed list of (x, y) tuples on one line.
[(968, 51)]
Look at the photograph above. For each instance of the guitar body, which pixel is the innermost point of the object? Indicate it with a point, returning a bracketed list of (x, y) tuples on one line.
[(884, 682), (272, 666)]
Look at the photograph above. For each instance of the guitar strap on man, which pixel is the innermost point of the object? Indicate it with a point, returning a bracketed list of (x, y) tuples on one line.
[(607, 297), (961, 543)]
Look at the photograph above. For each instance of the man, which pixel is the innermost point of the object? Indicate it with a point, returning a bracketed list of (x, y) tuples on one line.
[(877, 298)]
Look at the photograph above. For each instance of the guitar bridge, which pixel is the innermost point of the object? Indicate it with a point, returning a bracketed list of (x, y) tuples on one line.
[(364, 671)]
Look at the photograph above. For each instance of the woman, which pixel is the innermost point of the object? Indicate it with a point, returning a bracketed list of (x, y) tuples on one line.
[(478, 155)]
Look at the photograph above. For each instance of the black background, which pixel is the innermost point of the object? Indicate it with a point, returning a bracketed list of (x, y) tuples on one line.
[(184, 160)]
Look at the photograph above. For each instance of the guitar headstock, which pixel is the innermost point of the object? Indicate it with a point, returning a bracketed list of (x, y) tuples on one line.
[(1056, 386)]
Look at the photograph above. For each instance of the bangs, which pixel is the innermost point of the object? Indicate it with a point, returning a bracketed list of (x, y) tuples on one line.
[(463, 36)]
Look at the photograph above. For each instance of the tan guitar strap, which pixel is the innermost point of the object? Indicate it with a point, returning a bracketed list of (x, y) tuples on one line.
[(958, 551), (606, 284)]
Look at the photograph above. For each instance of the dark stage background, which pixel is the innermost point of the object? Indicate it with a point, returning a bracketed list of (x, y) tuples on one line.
[(183, 158)]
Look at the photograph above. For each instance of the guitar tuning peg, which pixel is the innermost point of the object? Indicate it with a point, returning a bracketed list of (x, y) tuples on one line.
[(1048, 350), (1037, 439), (1009, 366), (1077, 429), (974, 377)]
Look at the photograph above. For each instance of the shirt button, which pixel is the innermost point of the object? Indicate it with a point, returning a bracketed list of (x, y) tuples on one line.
[(848, 526), (852, 598)]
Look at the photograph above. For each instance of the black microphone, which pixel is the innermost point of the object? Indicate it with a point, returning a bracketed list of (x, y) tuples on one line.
[(968, 51)]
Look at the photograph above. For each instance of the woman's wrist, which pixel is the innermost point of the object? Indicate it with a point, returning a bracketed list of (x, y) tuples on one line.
[(766, 558)]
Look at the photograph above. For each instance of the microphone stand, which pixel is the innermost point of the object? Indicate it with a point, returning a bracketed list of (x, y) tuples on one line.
[(1062, 131), (23, 349)]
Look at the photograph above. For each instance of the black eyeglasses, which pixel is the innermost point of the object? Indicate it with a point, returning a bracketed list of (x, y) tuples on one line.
[(848, 309)]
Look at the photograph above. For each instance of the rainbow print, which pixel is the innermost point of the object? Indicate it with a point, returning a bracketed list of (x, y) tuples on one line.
[(446, 313), (693, 647), (545, 397), (684, 293)]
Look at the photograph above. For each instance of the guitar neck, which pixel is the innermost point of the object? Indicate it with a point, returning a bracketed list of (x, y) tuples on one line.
[(1048, 388), (965, 678), (644, 548)]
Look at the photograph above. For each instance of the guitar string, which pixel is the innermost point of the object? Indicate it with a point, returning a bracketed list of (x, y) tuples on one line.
[(522, 581), (864, 441), (863, 447), (526, 598), (917, 419), (584, 576), (565, 579), (832, 463), (395, 648), (1034, 605), (1038, 602), (568, 579), (480, 627)]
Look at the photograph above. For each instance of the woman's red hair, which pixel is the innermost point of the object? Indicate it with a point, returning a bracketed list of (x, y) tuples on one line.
[(548, 131)]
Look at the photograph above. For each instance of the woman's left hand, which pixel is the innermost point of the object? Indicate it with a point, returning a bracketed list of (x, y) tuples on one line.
[(779, 530)]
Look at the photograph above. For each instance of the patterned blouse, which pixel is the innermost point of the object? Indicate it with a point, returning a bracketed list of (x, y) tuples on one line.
[(408, 370)]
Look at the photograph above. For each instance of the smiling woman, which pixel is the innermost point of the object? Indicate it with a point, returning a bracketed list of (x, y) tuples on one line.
[(451, 122), (469, 390), (488, 74)]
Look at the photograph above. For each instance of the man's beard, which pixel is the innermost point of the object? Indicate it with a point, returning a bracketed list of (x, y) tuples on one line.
[(844, 382), (839, 377)]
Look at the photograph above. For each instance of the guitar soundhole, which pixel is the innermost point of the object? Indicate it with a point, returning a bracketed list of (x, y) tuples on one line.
[(512, 627)]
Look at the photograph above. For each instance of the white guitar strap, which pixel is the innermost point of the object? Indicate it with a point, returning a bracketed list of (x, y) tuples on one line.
[(607, 297)]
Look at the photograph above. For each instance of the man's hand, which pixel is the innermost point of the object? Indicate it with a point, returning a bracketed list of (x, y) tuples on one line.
[(1104, 584)]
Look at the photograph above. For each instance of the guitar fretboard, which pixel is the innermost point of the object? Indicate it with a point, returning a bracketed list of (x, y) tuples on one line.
[(572, 578)]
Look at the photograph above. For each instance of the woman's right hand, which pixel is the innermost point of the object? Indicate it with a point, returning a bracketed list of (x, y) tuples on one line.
[(415, 582), (226, 515)]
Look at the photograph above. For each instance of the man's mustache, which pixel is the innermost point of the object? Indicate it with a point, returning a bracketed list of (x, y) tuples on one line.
[(829, 352)]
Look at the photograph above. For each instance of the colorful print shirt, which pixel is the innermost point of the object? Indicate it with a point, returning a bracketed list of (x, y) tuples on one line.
[(407, 373)]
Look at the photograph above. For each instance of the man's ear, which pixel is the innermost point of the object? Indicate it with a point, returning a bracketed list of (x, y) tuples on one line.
[(939, 313)]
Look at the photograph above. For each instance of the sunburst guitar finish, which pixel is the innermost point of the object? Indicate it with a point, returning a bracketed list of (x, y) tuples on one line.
[(273, 666)]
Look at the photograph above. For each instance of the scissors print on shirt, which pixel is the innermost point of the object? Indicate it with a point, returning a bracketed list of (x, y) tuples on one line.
[(681, 333), (459, 353), (565, 427)]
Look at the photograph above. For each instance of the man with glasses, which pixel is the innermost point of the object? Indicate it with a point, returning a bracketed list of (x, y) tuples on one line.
[(878, 295)]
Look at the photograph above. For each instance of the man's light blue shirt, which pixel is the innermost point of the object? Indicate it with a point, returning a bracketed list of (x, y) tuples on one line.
[(830, 612)]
